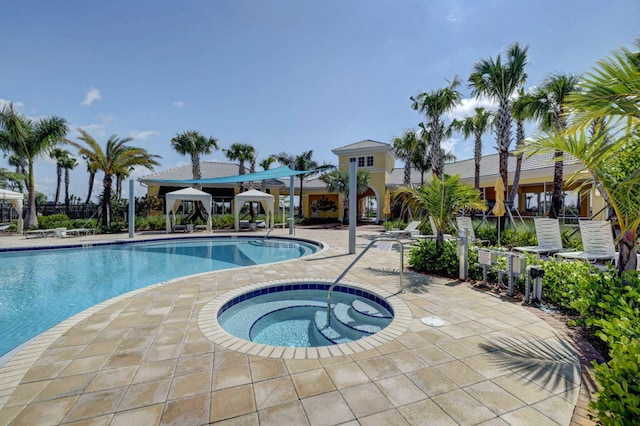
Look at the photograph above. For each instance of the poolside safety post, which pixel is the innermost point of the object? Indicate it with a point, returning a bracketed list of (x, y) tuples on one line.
[(132, 210), (463, 253), (353, 199)]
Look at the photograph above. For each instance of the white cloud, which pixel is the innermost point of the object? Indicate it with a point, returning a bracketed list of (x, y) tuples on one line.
[(143, 134), (178, 104), (4, 102), (468, 105), (91, 96)]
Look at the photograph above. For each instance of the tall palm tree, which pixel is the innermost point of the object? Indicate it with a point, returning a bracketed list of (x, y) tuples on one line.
[(92, 169), (11, 180), (476, 125), (29, 139), (242, 153), (405, 148), (20, 165), (493, 79), (434, 105), (59, 155), (338, 181), (194, 144), (266, 164), (549, 107), (303, 161), (442, 199), (521, 111), (609, 93), (67, 163), (115, 158)]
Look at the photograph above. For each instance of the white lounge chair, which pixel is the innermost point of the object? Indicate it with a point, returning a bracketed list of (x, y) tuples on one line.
[(432, 236), (464, 222), (4, 227), (597, 242), (549, 237), (411, 229)]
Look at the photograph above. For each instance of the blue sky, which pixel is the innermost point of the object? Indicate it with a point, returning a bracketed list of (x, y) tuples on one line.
[(281, 75)]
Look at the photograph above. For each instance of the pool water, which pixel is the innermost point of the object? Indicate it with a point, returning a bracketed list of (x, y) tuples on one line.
[(297, 317), (41, 288)]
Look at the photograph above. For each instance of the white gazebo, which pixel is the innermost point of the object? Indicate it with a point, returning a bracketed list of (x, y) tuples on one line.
[(266, 200), (17, 199), (173, 200)]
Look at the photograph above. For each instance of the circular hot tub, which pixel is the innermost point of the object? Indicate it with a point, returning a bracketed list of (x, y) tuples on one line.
[(295, 315)]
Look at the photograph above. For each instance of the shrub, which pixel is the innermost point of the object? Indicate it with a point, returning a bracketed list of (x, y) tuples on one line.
[(618, 400), (427, 256), (55, 221)]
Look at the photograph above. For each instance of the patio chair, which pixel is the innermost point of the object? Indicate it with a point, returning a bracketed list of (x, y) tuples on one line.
[(432, 236), (597, 242), (464, 222), (61, 233), (4, 227), (549, 237), (411, 229)]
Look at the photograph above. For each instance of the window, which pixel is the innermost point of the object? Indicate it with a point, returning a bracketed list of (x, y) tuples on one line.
[(360, 161), (370, 161), (352, 159)]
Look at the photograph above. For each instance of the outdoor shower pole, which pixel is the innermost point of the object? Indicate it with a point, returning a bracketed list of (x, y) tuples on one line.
[(353, 198), (132, 210)]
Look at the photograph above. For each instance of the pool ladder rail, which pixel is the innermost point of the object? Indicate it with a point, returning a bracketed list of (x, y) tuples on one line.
[(374, 241)]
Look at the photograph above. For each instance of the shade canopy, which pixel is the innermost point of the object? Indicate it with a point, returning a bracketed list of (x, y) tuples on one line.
[(280, 172), (173, 200), (17, 199), (266, 200)]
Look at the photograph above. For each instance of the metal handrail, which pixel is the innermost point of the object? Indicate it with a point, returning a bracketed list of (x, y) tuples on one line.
[(375, 240)]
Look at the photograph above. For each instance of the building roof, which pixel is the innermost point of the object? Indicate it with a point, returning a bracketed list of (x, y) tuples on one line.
[(366, 145), (208, 169)]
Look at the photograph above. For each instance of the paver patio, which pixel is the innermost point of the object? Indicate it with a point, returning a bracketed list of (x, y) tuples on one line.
[(142, 358)]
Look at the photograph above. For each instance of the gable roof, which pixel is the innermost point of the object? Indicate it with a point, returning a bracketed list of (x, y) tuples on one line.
[(366, 145)]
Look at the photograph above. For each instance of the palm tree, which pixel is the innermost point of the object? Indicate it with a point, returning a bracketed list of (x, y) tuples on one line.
[(92, 169), (497, 81), (68, 163), (59, 155), (11, 180), (476, 126), (29, 139), (241, 153), (265, 164), (549, 105), (20, 168), (610, 94), (193, 143), (115, 158), (338, 181), (303, 161), (434, 105), (521, 112), (405, 148), (442, 199)]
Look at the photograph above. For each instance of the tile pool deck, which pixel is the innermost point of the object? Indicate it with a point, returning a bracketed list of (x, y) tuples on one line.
[(154, 356)]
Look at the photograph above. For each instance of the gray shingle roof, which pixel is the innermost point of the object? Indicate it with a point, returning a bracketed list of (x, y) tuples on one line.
[(208, 169)]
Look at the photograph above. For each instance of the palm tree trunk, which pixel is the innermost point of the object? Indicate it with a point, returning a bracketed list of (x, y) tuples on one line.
[(92, 176), (31, 218), (627, 252), (106, 201), (407, 170), (59, 173), (195, 168), (66, 192), (300, 195), (556, 196)]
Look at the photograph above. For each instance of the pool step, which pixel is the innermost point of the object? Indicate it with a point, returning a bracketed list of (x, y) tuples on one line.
[(352, 319), (337, 332), (369, 310)]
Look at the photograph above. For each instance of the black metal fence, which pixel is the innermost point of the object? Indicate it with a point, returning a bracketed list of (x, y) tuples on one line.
[(74, 211)]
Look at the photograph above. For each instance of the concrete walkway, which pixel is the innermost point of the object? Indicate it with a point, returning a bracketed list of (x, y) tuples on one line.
[(151, 357)]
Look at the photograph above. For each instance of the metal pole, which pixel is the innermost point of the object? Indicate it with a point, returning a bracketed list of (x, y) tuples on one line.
[(292, 221), (132, 210), (353, 199)]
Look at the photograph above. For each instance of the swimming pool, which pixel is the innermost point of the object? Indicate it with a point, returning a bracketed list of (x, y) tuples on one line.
[(41, 288)]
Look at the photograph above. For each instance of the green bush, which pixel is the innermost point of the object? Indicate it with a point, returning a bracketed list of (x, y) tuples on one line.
[(225, 221), (150, 223), (618, 400), (55, 221), (562, 280), (427, 256)]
